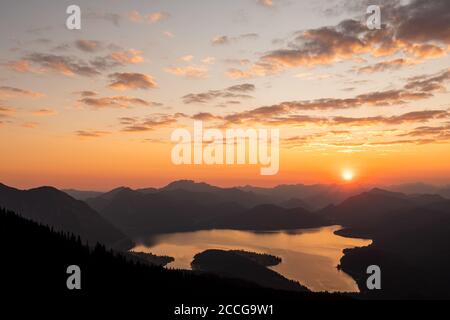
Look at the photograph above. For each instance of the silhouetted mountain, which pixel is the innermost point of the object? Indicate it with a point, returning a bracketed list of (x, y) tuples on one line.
[(50, 206), (411, 241), (235, 265), (82, 195), (367, 208), (294, 203), (102, 200), (190, 185), (421, 188), (270, 217), (175, 210), (315, 196)]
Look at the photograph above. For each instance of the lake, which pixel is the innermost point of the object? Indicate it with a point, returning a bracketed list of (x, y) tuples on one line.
[(309, 256)]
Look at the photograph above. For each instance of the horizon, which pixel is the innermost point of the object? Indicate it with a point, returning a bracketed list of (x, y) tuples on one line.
[(352, 185)]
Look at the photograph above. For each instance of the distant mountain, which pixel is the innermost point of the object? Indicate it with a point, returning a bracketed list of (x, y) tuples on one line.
[(421, 188), (138, 213), (80, 194), (50, 206), (102, 200), (315, 196), (368, 208), (190, 185), (244, 198), (294, 203), (270, 217), (187, 206)]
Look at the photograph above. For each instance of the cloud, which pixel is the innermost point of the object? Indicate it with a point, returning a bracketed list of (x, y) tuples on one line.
[(114, 102), (429, 83), (154, 17), (62, 64), (386, 65), (219, 40), (410, 117), (86, 93), (223, 39), (233, 92), (245, 87), (157, 16), (91, 133), (168, 34), (6, 111), (30, 125), (187, 58), (126, 80), (19, 66), (70, 65), (89, 45), (209, 60), (150, 123), (117, 58), (418, 29), (266, 3), (198, 72), (417, 88), (44, 112), (12, 92)]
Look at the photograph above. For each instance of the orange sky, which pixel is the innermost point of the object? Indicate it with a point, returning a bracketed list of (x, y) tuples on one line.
[(95, 108)]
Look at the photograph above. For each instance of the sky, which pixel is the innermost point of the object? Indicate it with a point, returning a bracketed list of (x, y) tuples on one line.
[(95, 108)]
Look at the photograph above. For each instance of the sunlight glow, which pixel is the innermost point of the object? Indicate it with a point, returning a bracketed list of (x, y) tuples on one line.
[(347, 175)]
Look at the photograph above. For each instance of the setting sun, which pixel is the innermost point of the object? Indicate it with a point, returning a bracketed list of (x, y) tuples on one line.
[(347, 175)]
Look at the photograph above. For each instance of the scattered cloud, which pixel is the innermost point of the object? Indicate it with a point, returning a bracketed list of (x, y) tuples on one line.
[(223, 39), (86, 93), (169, 34), (233, 92), (418, 29), (91, 133), (154, 17), (417, 88), (266, 3), (127, 80), (30, 125), (386, 65), (187, 58), (71, 65), (89, 45), (150, 123), (114, 102), (44, 112), (12, 92), (199, 72), (209, 60)]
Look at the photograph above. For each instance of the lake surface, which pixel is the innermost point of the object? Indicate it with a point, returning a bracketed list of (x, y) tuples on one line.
[(309, 256)]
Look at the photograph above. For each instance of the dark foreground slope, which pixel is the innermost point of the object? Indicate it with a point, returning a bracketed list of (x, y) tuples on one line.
[(35, 258)]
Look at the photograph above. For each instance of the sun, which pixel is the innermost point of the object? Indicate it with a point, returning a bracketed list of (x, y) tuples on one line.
[(347, 175)]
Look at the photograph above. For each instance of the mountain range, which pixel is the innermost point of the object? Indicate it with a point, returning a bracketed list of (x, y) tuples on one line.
[(410, 232), (55, 208)]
